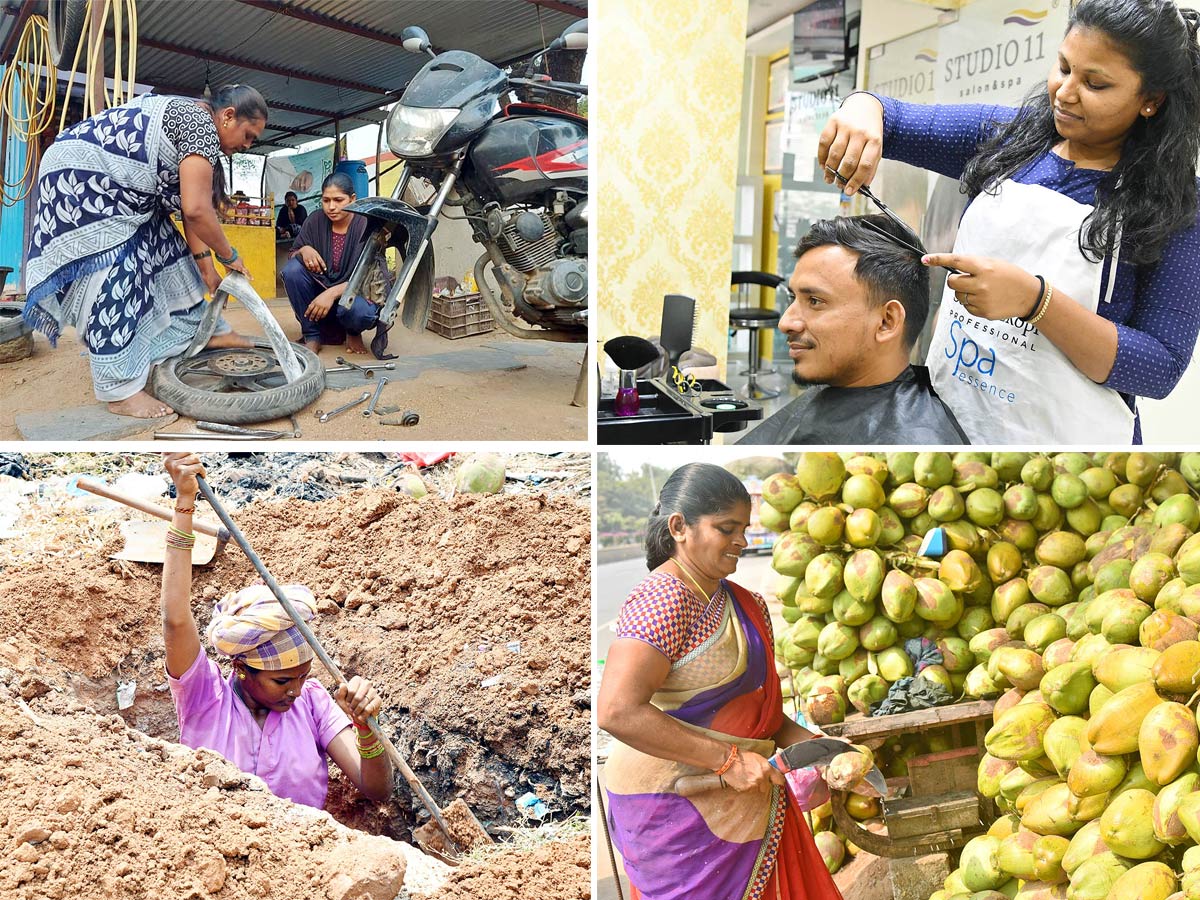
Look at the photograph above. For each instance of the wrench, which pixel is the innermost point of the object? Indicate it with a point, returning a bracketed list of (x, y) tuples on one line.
[(341, 409), (237, 429), (370, 410), (332, 369), (367, 373)]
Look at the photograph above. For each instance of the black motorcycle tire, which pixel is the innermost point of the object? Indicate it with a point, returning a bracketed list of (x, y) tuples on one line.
[(240, 408), (66, 19)]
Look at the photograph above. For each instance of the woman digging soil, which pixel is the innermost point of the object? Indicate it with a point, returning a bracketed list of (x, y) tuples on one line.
[(266, 719)]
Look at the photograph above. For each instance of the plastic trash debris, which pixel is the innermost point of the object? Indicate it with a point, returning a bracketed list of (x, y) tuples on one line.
[(513, 646), (491, 682), (125, 692), (532, 805)]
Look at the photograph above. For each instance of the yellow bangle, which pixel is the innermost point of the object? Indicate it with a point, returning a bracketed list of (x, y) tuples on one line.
[(1045, 304)]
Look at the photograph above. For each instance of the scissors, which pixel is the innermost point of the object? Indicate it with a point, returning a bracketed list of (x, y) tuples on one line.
[(685, 383), (883, 208)]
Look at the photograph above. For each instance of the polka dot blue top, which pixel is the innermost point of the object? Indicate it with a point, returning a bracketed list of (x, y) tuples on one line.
[(1154, 307)]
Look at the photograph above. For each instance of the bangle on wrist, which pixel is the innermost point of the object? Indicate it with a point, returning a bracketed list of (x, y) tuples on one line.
[(729, 760), (186, 510), (1037, 301), (1045, 304), (231, 260)]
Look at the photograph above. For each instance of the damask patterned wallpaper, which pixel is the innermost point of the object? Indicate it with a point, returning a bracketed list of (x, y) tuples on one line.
[(670, 77)]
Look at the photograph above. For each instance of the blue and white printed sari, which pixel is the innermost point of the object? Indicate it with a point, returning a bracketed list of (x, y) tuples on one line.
[(104, 257)]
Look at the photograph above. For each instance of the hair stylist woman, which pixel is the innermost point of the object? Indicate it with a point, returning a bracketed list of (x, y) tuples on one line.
[(1079, 250), (689, 688)]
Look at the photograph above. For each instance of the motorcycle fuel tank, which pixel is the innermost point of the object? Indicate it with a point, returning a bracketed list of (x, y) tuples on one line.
[(518, 159)]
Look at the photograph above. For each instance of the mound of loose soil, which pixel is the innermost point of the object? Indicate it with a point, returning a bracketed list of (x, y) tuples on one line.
[(90, 808), (554, 871)]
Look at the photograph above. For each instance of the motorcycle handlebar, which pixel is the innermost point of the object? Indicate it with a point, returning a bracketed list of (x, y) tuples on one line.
[(560, 87)]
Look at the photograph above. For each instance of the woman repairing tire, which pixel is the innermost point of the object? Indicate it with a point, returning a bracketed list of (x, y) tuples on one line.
[(1080, 251), (266, 718), (105, 257)]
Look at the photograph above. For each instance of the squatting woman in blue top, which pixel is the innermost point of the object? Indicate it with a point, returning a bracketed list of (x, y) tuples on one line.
[(1079, 250)]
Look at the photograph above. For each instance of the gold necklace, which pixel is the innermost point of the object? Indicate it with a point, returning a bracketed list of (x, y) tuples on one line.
[(703, 593)]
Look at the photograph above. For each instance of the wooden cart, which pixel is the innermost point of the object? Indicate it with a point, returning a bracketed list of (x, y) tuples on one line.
[(939, 806)]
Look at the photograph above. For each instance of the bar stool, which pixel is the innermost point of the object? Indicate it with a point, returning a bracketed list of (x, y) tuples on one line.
[(755, 319)]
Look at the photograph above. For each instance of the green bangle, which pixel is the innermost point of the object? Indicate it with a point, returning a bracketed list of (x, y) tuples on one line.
[(226, 262)]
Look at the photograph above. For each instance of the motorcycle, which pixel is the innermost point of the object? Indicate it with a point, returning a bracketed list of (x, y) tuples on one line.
[(518, 172)]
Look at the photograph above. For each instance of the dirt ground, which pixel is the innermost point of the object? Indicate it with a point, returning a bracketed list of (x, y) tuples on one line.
[(531, 403), (470, 614)]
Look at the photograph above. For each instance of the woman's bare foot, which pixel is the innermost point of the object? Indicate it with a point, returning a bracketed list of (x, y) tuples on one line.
[(355, 345), (141, 406), (314, 346), (229, 339)]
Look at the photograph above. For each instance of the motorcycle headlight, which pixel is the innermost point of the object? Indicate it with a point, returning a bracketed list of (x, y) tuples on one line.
[(415, 130)]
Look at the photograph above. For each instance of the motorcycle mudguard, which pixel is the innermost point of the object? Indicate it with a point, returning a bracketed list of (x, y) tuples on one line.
[(414, 282)]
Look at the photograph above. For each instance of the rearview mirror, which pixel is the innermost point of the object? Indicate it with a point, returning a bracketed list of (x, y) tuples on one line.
[(415, 40), (575, 37)]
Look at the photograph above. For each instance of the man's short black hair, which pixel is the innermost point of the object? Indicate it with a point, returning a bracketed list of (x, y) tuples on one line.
[(887, 270)]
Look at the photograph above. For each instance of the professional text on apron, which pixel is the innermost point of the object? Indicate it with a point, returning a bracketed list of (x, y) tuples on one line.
[(1005, 382)]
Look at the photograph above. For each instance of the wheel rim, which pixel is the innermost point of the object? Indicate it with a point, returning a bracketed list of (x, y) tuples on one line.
[(232, 370)]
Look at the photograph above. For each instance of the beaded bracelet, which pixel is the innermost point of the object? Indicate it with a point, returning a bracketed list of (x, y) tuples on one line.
[(227, 262), (186, 510), (733, 752), (180, 540), (1045, 305)]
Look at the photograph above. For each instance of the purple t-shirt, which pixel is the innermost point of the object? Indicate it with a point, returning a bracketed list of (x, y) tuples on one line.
[(287, 752)]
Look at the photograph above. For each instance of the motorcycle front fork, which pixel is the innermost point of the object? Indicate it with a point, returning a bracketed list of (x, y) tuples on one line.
[(416, 241)]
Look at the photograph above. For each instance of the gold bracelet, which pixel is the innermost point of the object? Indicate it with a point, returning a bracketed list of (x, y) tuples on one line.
[(1045, 304)]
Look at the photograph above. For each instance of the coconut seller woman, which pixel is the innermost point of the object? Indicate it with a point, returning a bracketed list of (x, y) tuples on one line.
[(267, 718), (1079, 253), (690, 688)]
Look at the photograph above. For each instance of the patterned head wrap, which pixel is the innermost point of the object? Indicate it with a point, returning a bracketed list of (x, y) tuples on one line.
[(252, 625)]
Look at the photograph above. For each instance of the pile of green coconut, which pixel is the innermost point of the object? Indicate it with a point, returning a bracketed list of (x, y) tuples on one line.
[(1069, 589)]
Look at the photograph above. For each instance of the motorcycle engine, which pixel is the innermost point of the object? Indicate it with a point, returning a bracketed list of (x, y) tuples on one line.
[(532, 245)]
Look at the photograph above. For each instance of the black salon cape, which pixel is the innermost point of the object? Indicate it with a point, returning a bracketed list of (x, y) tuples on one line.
[(903, 411)]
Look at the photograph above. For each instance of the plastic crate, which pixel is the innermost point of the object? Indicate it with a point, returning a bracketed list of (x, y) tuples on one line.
[(459, 317)]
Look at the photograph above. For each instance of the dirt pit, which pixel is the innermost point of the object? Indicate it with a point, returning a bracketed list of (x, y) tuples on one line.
[(470, 614)]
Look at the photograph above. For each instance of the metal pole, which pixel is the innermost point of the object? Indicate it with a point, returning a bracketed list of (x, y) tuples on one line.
[(329, 664)]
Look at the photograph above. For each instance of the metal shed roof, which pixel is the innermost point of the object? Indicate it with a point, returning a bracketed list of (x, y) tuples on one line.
[(316, 61)]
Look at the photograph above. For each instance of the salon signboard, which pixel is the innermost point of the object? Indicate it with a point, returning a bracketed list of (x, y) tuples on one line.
[(996, 51)]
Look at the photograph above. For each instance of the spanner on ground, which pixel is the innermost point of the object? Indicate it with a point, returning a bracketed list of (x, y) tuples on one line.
[(370, 410), (367, 373), (341, 409)]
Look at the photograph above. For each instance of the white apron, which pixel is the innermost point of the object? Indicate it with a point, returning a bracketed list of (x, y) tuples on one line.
[(1004, 381)]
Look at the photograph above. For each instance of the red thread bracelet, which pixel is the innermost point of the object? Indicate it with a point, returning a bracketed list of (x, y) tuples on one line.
[(733, 752)]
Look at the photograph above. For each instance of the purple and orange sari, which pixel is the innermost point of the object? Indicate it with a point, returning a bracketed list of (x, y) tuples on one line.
[(722, 844)]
